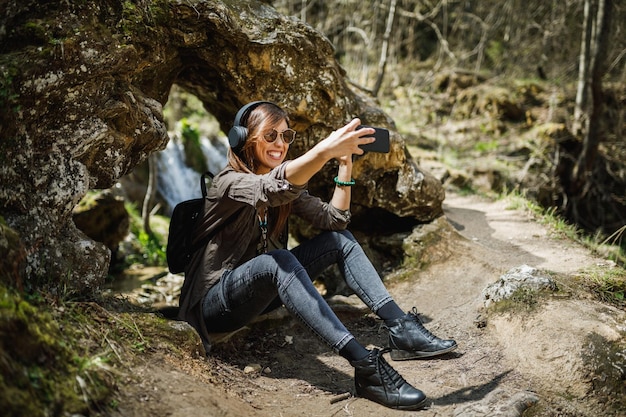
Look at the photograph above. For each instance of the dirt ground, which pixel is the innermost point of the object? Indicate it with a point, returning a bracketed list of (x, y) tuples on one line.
[(505, 362)]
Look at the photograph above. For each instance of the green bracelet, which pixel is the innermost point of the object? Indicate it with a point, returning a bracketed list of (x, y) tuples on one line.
[(344, 183)]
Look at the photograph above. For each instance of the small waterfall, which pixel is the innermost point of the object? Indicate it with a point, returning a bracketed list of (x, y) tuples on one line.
[(176, 181), (215, 152)]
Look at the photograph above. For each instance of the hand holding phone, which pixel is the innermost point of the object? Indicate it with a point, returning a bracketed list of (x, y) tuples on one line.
[(381, 144)]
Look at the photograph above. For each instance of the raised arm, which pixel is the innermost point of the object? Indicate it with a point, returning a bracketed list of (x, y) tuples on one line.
[(340, 144)]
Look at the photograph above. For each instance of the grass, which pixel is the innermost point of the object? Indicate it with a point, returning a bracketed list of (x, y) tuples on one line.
[(63, 357), (46, 366), (607, 284)]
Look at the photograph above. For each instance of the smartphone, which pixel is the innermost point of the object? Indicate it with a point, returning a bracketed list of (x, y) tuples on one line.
[(382, 140)]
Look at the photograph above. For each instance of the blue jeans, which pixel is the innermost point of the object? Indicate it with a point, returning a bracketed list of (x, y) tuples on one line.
[(248, 290)]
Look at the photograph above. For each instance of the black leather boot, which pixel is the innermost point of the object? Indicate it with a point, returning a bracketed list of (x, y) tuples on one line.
[(377, 381), (409, 339)]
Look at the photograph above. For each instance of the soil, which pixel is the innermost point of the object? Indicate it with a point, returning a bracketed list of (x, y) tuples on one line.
[(529, 358)]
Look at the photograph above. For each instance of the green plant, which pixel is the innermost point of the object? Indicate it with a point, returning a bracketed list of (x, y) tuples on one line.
[(559, 225), (67, 357), (612, 247), (608, 285), (8, 94), (548, 217), (36, 30), (151, 248), (154, 249), (189, 132), (515, 199), (523, 299), (141, 17), (617, 243), (194, 157), (495, 52), (486, 146)]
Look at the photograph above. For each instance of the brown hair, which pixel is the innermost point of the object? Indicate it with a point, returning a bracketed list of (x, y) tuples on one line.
[(258, 121)]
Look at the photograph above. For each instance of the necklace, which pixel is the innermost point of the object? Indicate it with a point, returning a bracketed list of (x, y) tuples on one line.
[(262, 247)]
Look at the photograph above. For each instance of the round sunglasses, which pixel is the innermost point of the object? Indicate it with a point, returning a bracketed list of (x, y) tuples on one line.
[(287, 136)]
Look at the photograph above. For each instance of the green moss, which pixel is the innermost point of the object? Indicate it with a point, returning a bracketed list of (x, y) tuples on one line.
[(8, 92), (194, 157), (88, 202), (141, 18), (40, 368), (36, 31), (523, 299), (12, 255), (61, 357)]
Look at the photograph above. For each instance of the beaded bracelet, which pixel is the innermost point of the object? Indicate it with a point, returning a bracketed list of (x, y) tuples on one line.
[(344, 183)]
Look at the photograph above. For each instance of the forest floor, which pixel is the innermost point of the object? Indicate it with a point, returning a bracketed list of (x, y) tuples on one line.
[(537, 356)]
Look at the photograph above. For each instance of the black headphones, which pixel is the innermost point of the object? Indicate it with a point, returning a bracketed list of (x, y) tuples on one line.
[(239, 133)]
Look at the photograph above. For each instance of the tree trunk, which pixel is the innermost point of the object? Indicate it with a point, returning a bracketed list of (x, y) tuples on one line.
[(382, 63), (583, 70), (150, 194), (593, 126)]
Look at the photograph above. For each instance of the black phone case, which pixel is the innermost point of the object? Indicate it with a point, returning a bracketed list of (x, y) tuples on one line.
[(382, 140)]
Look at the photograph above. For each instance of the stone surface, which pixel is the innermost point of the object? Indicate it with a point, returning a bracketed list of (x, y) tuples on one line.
[(82, 85), (523, 276), (499, 403), (103, 218)]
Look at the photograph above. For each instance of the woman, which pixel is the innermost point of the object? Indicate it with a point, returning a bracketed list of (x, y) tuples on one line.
[(246, 269)]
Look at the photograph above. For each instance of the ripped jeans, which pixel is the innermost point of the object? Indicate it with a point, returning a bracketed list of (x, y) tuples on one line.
[(248, 290)]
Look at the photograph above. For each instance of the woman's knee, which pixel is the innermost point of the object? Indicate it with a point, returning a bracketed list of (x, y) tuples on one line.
[(283, 261), (287, 267), (346, 234), (344, 240)]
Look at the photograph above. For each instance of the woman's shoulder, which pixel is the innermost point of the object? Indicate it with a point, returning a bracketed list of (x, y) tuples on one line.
[(226, 175), (224, 171)]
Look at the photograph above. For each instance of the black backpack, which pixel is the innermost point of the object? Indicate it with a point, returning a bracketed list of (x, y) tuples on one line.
[(180, 247)]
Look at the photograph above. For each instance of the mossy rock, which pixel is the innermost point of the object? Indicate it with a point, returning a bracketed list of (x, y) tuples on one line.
[(12, 256), (103, 217), (428, 243), (42, 373)]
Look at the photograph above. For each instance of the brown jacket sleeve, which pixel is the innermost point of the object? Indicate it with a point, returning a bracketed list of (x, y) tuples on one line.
[(320, 214)]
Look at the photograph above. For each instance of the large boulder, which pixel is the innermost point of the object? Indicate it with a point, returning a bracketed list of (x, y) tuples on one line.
[(82, 85)]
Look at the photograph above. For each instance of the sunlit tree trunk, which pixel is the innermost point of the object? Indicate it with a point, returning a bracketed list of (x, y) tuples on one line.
[(150, 194), (583, 69), (382, 63), (592, 126)]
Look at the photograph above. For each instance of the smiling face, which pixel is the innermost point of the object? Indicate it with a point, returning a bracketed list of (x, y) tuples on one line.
[(269, 155), (265, 147)]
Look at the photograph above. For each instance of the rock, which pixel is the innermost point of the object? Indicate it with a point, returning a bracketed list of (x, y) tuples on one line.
[(253, 368), (103, 217), (428, 243), (522, 276), (83, 85), (12, 256), (499, 403)]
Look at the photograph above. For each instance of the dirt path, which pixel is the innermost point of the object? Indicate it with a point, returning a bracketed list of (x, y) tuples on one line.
[(504, 362)]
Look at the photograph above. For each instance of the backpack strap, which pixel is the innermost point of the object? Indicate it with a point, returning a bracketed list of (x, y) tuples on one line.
[(203, 182)]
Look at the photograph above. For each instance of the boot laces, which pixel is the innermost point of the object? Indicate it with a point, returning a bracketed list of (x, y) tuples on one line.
[(415, 317), (390, 377)]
